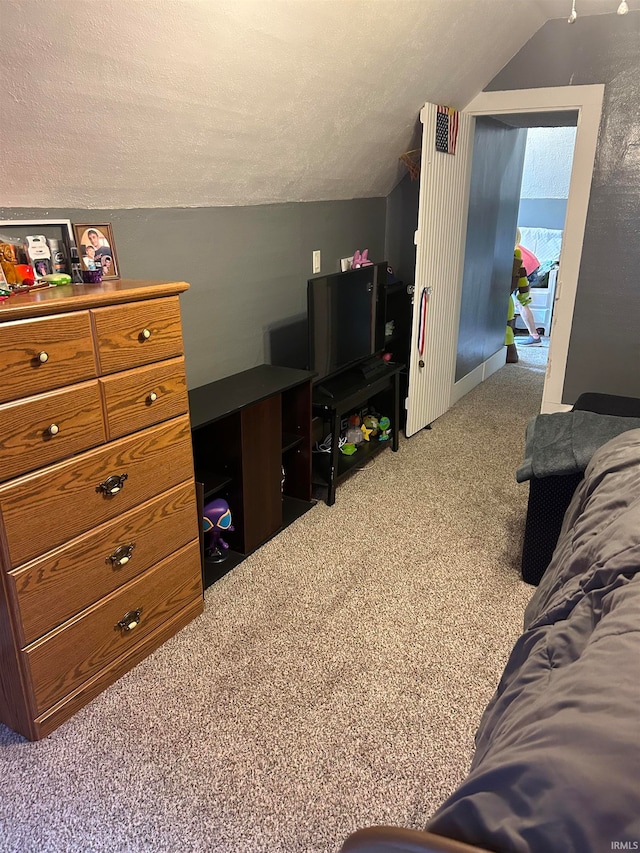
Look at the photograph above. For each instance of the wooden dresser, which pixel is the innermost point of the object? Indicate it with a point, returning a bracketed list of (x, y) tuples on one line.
[(99, 527)]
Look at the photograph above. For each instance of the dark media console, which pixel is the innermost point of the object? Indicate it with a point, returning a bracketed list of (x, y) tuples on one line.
[(372, 368), (342, 395), (348, 336)]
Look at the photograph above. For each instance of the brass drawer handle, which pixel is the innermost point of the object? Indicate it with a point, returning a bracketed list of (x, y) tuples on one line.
[(42, 357), (52, 430), (130, 620), (145, 334), (112, 485), (152, 397), (121, 555)]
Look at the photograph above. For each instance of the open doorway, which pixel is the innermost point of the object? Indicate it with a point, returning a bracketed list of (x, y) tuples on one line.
[(518, 192), (444, 206), (562, 104), (544, 193)]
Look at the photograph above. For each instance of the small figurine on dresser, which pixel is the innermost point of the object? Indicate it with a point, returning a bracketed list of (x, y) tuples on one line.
[(216, 518), (8, 261), (19, 276)]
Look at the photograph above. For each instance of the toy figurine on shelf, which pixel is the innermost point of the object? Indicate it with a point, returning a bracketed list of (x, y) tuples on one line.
[(216, 518), (348, 448), (369, 427), (354, 433), (385, 428)]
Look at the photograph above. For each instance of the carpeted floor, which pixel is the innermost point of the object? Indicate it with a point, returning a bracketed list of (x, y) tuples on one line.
[(335, 679)]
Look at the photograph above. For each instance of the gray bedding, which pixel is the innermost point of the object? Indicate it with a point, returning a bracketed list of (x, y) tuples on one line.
[(557, 762), (564, 442)]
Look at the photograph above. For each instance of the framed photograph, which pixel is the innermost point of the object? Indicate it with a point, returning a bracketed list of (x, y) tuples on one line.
[(96, 248), (30, 248)]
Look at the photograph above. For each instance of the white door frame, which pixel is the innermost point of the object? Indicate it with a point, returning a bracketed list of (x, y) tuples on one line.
[(587, 100)]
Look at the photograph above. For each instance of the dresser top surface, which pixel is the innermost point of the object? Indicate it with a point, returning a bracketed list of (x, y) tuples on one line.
[(74, 297)]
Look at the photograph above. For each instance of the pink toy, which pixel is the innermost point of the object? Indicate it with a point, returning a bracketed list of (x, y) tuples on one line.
[(361, 259)]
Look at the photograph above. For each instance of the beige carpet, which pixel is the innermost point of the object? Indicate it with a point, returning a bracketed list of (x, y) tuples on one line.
[(335, 679)]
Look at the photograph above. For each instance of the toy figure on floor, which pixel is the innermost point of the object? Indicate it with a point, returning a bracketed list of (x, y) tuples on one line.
[(216, 518)]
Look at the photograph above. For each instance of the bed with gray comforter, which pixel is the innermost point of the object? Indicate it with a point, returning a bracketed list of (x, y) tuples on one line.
[(557, 761)]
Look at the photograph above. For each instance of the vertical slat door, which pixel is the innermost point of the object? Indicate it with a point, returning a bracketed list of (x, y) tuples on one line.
[(440, 241)]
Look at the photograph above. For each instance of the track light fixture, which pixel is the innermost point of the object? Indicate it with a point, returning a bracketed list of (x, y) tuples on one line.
[(623, 8)]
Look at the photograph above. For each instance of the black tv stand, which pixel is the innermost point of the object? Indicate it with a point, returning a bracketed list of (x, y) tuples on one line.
[(322, 389), (371, 368), (340, 396)]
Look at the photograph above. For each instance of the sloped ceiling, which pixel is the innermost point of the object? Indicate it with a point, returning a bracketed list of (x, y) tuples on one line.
[(154, 103)]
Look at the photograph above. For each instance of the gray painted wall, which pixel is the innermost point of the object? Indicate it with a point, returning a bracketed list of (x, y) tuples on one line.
[(496, 175), (247, 266), (604, 350)]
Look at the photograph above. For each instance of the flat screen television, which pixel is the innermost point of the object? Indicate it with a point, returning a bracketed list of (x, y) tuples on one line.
[(346, 318)]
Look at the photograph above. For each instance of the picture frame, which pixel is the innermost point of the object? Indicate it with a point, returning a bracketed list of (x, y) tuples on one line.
[(96, 241), (59, 240)]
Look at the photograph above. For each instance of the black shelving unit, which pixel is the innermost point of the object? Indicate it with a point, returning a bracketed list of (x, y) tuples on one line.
[(366, 451), (290, 441), (251, 436), (340, 397), (213, 483)]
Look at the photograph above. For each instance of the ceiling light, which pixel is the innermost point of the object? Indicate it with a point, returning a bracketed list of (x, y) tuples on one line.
[(572, 17), (623, 8)]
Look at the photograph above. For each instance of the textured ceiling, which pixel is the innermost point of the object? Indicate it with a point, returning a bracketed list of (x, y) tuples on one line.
[(153, 103)]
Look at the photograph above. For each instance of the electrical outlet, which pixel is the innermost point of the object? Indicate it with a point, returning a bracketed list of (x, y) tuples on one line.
[(346, 263), (316, 261)]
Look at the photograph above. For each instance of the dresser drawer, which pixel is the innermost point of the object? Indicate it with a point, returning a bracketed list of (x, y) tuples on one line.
[(40, 430), (42, 510), (53, 588), (147, 395), (64, 659), (138, 333), (38, 355)]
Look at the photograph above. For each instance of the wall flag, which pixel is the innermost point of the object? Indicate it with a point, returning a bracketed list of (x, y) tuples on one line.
[(446, 130)]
